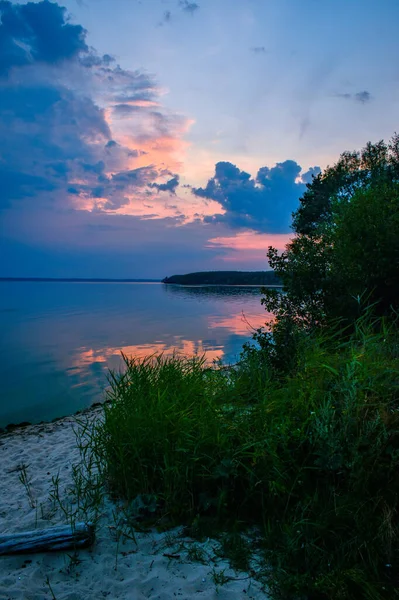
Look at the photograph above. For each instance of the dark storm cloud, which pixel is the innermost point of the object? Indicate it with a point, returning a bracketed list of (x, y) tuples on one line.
[(28, 103), (55, 137), (116, 187), (138, 177), (45, 127), (46, 131), (170, 186), (15, 184), (37, 32), (97, 168), (264, 204)]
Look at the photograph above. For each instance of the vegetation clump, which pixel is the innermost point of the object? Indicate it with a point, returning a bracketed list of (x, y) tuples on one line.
[(225, 278), (300, 440)]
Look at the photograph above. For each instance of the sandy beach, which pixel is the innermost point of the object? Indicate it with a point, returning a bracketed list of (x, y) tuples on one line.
[(108, 569)]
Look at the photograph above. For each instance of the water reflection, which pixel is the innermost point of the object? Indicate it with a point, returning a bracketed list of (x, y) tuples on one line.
[(59, 339), (112, 357), (206, 291), (240, 324)]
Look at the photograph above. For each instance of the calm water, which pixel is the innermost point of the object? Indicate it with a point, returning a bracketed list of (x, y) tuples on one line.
[(58, 340)]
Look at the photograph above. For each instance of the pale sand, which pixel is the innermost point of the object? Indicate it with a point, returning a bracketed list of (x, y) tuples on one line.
[(133, 572)]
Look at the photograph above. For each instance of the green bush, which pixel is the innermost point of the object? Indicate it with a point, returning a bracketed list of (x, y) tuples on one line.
[(310, 458)]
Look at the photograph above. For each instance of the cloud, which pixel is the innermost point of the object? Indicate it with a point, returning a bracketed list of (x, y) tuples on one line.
[(308, 176), (50, 132), (93, 60), (167, 17), (184, 5), (125, 110), (263, 204), (169, 186), (362, 97), (259, 50), (37, 33), (189, 7), (77, 130), (111, 192)]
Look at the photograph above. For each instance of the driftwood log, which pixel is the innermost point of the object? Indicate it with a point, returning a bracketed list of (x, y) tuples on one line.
[(61, 537)]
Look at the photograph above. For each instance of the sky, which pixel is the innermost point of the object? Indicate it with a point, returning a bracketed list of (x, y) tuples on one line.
[(145, 138)]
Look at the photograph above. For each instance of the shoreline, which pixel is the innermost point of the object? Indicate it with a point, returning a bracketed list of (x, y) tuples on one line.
[(16, 427), (235, 285), (157, 566)]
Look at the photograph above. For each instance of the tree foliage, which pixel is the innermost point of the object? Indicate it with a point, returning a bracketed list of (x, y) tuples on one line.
[(374, 164), (346, 246), (345, 252)]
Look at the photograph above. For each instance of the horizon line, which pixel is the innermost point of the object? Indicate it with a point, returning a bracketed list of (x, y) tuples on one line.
[(83, 279)]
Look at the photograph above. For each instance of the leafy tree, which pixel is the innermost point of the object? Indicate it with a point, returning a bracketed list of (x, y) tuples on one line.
[(345, 253), (366, 247), (354, 170), (346, 243)]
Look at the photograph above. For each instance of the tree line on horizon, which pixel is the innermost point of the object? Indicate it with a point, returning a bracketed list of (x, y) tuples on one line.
[(261, 278)]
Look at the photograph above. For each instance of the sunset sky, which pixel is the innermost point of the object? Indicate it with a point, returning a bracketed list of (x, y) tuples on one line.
[(143, 138)]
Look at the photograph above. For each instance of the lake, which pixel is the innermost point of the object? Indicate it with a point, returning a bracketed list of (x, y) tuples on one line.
[(59, 339)]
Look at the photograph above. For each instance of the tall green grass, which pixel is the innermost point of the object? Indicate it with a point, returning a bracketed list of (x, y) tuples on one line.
[(310, 459)]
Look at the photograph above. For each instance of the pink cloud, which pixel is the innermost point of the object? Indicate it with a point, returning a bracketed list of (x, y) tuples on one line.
[(249, 245)]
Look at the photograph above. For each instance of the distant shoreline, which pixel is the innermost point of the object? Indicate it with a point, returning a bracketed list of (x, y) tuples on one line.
[(227, 278), (247, 285)]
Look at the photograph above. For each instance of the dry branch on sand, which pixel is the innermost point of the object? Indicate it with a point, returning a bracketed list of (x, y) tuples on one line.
[(60, 537)]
